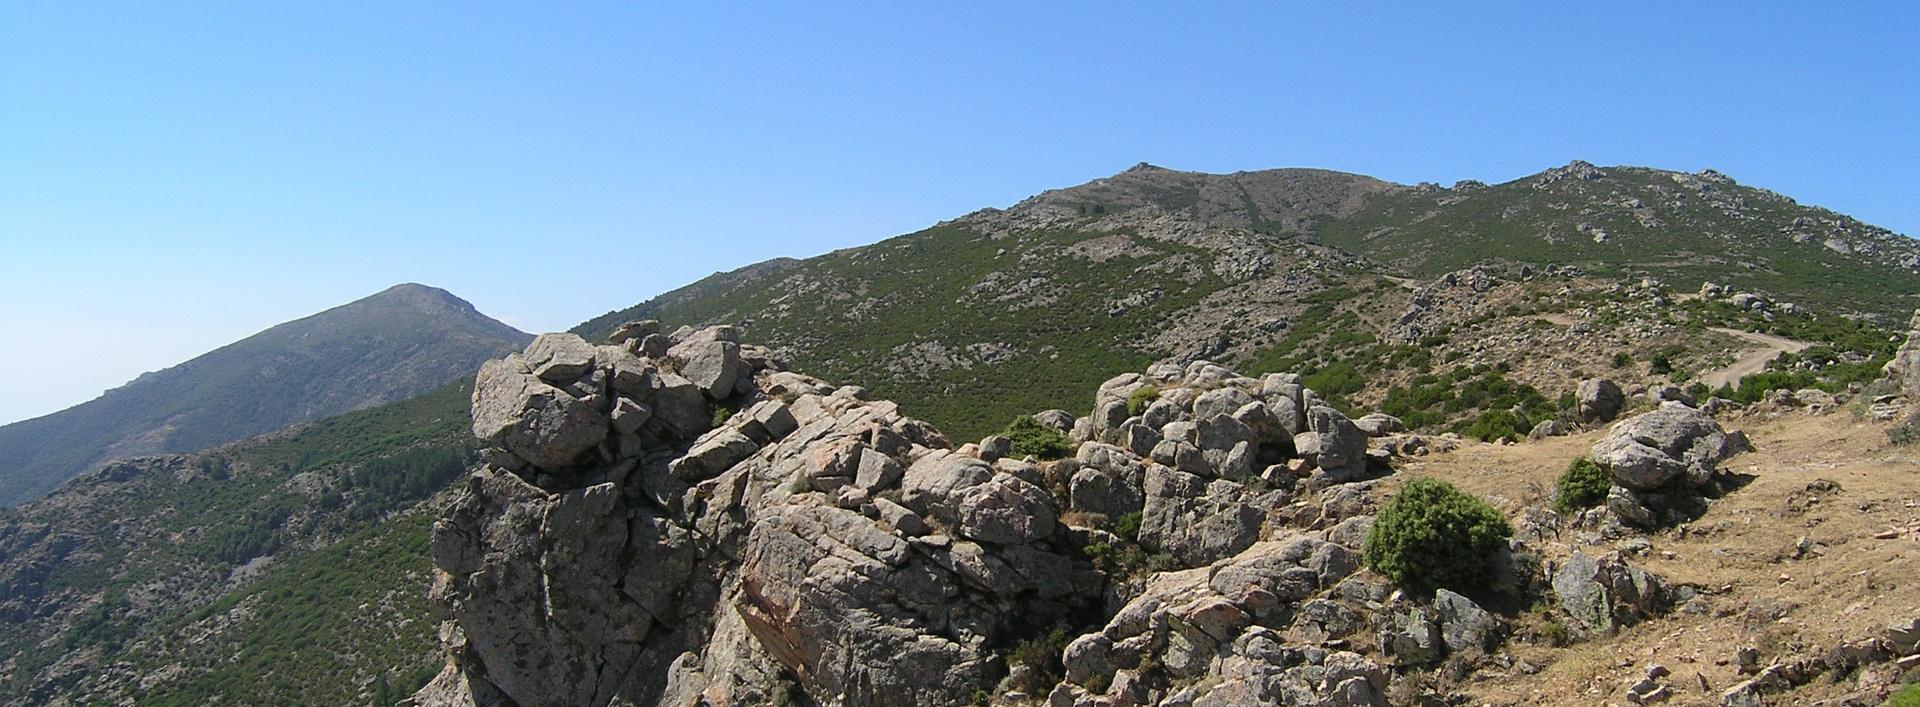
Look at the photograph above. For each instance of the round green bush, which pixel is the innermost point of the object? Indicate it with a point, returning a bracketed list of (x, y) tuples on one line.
[(1583, 485), (1032, 439), (1432, 535)]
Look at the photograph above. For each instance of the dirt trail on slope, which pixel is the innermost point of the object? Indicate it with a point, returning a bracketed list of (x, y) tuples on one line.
[(1760, 590), (1753, 361)]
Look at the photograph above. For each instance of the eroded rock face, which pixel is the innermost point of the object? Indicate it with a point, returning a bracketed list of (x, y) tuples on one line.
[(622, 546), (616, 551)]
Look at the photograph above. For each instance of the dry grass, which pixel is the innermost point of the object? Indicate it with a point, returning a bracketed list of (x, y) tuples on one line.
[(1742, 553)]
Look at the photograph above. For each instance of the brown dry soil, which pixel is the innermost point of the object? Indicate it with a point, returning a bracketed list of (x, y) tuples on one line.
[(1741, 553)]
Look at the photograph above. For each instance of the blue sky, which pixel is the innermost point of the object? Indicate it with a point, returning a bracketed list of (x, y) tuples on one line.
[(174, 177)]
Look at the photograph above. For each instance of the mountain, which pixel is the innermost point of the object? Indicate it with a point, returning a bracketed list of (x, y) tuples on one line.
[(282, 569), (393, 345), (294, 566), (976, 319)]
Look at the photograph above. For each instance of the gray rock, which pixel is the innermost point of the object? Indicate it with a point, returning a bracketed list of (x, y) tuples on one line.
[(1547, 428), (899, 518), (520, 413), (995, 447), (1599, 400), (1604, 593), (633, 331), (1194, 521), (1380, 425), (559, 358), (1411, 637), (1098, 491), (1463, 624), (1339, 446), (713, 366), (1669, 443), (1222, 401), (1006, 510), (1059, 420)]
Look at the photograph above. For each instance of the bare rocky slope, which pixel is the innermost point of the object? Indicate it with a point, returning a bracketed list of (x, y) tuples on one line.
[(393, 345)]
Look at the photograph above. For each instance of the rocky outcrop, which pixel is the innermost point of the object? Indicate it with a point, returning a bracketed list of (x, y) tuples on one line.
[(1602, 594), (1661, 461), (615, 550), (1904, 370), (625, 544)]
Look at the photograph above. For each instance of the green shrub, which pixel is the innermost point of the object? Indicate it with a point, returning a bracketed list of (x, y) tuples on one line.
[(1622, 360), (1660, 364), (1496, 425), (1140, 398), (1042, 655), (1908, 696), (1128, 526), (1030, 438), (1432, 535), (721, 414), (1583, 485)]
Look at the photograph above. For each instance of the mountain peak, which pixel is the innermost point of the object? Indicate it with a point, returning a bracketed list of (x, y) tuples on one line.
[(1145, 167)]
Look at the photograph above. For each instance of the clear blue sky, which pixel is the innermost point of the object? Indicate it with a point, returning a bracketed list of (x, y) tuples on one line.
[(176, 177)]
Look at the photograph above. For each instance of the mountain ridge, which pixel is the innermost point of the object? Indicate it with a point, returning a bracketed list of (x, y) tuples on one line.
[(388, 346)]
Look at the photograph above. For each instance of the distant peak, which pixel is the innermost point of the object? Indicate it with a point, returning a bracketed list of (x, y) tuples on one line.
[(413, 293), (1145, 167)]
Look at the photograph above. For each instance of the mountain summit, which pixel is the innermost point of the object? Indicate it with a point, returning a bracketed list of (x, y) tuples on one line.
[(393, 345)]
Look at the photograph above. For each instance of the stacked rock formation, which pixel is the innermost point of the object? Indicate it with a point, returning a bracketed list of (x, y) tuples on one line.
[(1662, 462), (675, 520)]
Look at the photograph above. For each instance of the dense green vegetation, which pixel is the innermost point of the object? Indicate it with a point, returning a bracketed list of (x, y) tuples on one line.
[(1583, 485), (334, 538), (1431, 535), (318, 628), (1032, 439), (1493, 406), (922, 292), (1655, 223), (1140, 398)]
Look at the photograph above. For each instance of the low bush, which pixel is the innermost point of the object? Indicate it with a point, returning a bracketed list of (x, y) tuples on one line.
[(1032, 439), (1583, 485), (1140, 398), (1432, 535)]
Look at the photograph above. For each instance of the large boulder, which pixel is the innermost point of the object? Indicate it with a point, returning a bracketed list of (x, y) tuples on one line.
[(1195, 521), (1599, 400), (1601, 594), (1334, 444), (517, 411), (1673, 442)]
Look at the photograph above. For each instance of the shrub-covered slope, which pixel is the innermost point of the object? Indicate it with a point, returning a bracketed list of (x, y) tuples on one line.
[(289, 568), (1000, 311)]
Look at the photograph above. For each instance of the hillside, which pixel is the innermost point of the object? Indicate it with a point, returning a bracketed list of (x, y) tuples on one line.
[(288, 568), (390, 346), (976, 319)]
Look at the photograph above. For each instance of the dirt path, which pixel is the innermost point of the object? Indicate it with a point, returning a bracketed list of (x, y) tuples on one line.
[(1753, 361)]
